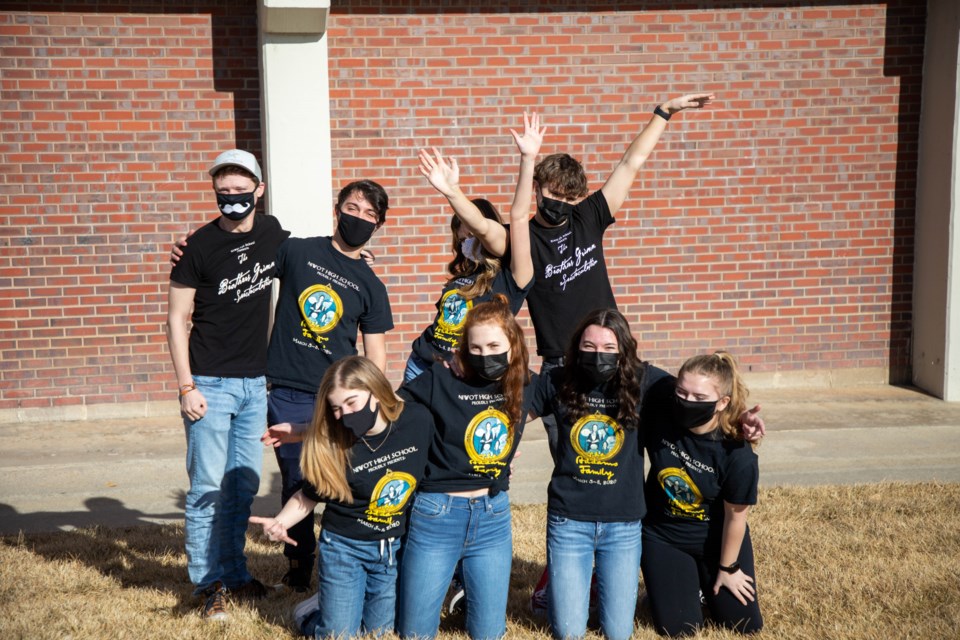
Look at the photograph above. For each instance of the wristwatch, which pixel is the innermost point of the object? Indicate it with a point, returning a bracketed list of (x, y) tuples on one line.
[(731, 569)]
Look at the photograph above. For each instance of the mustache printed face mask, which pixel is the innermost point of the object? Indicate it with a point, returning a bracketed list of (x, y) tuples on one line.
[(236, 206)]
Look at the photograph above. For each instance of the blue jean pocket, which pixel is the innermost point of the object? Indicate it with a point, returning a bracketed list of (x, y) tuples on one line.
[(428, 507)]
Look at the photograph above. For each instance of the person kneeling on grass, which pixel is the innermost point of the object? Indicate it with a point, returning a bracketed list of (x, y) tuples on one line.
[(363, 454), (702, 480)]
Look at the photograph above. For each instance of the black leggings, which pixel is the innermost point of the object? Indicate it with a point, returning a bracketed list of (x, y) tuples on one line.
[(674, 579)]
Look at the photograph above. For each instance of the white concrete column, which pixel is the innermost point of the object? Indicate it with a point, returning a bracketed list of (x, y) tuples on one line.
[(295, 101), (936, 276)]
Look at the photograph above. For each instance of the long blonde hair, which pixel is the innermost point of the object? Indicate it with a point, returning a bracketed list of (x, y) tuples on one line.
[(723, 369), (325, 457)]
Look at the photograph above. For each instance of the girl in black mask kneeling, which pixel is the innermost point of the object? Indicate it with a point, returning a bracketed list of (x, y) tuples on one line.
[(701, 484)]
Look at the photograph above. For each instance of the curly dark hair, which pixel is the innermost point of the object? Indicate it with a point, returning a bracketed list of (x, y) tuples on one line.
[(563, 175), (627, 379)]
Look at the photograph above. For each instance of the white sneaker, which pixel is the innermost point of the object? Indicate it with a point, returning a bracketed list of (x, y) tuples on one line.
[(305, 609)]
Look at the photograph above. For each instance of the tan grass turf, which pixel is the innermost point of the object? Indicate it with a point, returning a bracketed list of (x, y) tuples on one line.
[(871, 561)]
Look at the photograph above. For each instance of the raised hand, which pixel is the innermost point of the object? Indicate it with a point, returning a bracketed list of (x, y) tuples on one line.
[(532, 137), (689, 101), (273, 529), (444, 177)]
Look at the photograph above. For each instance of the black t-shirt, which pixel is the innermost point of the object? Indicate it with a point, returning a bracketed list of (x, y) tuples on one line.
[(598, 472), (690, 478), (475, 441), (232, 274), (324, 298), (570, 274), (382, 481), (441, 339)]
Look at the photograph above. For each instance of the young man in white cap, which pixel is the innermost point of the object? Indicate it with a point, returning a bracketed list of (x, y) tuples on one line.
[(221, 287), (328, 295)]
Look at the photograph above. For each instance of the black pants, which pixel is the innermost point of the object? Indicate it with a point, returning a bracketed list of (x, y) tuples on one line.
[(674, 579), (285, 404)]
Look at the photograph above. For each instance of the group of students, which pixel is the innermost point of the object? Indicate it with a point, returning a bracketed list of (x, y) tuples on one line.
[(415, 480)]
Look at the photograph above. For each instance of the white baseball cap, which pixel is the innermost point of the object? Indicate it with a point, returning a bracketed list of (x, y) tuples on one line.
[(237, 158)]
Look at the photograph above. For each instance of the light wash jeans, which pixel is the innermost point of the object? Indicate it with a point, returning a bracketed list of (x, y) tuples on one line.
[(357, 583), (573, 547), (443, 529), (224, 456)]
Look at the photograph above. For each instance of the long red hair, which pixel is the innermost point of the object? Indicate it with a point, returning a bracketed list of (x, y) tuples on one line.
[(497, 312)]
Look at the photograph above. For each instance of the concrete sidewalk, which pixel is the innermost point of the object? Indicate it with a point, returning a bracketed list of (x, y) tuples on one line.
[(122, 473)]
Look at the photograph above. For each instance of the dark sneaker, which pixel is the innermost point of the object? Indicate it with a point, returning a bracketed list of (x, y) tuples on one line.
[(299, 575), (253, 590), (305, 609), (215, 606)]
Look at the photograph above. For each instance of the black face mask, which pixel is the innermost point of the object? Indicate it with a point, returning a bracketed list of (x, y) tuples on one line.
[(490, 367), (598, 366), (690, 415), (236, 206), (555, 212), (354, 231), (361, 421)]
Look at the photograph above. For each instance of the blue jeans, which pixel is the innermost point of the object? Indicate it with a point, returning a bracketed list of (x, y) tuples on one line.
[(286, 404), (443, 530), (224, 456), (415, 366), (573, 546), (357, 583)]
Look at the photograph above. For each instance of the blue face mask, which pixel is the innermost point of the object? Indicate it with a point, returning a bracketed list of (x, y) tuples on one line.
[(236, 206)]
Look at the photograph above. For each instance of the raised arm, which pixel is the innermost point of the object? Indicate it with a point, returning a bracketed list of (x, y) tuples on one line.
[(528, 143), (179, 310), (617, 186), (445, 178)]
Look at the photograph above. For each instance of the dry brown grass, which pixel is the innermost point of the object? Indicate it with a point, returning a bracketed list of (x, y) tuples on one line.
[(871, 561)]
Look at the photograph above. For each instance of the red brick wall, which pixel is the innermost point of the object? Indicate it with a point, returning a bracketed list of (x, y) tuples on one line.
[(779, 224), (110, 113)]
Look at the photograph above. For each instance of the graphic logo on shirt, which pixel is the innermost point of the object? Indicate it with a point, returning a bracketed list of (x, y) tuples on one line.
[(489, 441), (390, 496), (596, 437), (453, 311), (321, 308), (685, 499)]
